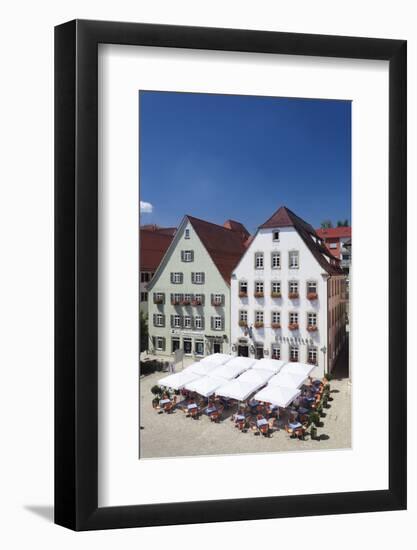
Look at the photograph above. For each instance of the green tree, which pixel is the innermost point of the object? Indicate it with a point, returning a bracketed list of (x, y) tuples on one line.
[(344, 223), (326, 224), (144, 333)]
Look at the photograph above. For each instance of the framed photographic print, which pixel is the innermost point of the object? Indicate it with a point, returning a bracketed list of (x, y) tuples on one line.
[(230, 275)]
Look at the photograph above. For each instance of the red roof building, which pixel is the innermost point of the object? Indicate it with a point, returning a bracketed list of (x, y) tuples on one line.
[(334, 239)]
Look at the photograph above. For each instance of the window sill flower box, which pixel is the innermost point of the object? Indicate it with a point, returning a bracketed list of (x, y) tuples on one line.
[(186, 302), (175, 302), (293, 359), (158, 301), (243, 294), (275, 325), (259, 324), (275, 294), (259, 294), (312, 328), (216, 303), (196, 303), (312, 296), (293, 295), (311, 362), (243, 323), (293, 326)]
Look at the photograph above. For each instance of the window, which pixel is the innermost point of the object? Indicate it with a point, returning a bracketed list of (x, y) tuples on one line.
[(294, 352), (217, 299), (176, 299), (275, 236), (198, 300), (217, 323), (275, 289), (276, 351), (311, 290), (243, 289), (198, 322), (187, 345), (259, 289), (187, 321), (175, 344), (243, 317), (160, 343), (293, 260), (259, 260), (199, 347), (144, 277), (197, 277), (312, 355), (187, 255), (259, 316), (293, 289), (186, 301), (187, 234), (176, 321), (143, 296), (158, 320), (276, 260), (311, 320), (176, 278), (293, 318), (158, 298), (276, 317)]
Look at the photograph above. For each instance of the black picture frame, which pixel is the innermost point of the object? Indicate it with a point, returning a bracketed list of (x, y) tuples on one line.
[(76, 271)]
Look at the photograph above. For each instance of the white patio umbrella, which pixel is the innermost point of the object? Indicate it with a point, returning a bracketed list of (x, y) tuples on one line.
[(178, 380), (288, 379), (302, 368), (203, 369), (260, 376), (238, 390), (277, 395), (274, 365), (216, 359), (246, 362), (205, 386), (228, 371)]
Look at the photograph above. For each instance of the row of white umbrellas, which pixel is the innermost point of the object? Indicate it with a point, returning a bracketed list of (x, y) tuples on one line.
[(239, 377)]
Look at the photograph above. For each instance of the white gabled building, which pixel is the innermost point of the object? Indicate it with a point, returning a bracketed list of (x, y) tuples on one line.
[(286, 296)]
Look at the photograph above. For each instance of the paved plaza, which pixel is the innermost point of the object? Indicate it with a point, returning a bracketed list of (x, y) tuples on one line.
[(172, 435)]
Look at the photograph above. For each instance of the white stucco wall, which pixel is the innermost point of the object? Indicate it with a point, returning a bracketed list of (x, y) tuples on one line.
[(309, 269)]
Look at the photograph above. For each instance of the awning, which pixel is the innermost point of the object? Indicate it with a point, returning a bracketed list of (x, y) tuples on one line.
[(277, 395), (288, 379), (178, 380), (301, 368), (205, 386), (238, 390), (201, 368), (274, 365), (246, 362)]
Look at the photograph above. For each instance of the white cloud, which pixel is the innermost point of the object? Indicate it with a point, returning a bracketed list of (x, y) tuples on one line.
[(146, 207)]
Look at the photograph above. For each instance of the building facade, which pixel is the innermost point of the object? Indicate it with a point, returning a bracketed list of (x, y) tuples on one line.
[(154, 242), (338, 242), (286, 296), (189, 295)]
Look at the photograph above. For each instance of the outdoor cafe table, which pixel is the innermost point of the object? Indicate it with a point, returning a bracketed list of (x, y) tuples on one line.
[(294, 425), (164, 401), (261, 422)]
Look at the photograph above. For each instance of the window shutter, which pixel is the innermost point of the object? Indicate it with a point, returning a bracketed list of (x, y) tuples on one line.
[(163, 320), (212, 323), (192, 255), (172, 321), (192, 277), (222, 323), (202, 323), (163, 344), (153, 342), (154, 319)]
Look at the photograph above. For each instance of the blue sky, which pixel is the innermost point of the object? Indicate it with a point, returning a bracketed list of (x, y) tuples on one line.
[(241, 157)]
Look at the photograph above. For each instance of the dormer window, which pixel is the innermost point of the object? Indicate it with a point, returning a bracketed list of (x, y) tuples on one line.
[(275, 236), (187, 234)]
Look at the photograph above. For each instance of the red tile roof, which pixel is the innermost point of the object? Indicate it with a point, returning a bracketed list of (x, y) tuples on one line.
[(162, 230), (225, 246), (237, 226), (153, 245), (284, 217), (335, 232)]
